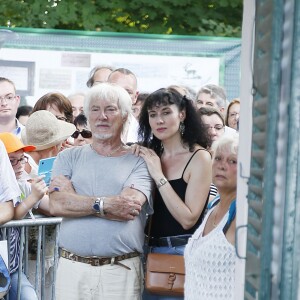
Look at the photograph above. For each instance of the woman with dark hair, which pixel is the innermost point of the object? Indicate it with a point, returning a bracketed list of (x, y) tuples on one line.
[(83, 134), (174, 143), (56, 103), (23, 113)]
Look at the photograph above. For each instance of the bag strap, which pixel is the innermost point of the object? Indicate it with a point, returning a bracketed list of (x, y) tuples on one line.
[(214, 202), (232, 213), (149, 226)]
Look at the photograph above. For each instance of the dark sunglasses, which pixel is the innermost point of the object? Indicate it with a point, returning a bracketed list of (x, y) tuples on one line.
[(86, 134), (61, 118)]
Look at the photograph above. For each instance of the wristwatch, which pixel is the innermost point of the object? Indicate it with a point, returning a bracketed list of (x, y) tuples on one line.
[(98, 206), (161, 182)]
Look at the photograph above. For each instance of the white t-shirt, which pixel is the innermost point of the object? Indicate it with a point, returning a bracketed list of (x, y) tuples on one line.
[(9, 189), (131, 134), (229, 130), (19, 127), (95, 175)]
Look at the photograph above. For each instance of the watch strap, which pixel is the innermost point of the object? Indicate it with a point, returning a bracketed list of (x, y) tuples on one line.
[(99, 206), (162, 182), (102, 213)]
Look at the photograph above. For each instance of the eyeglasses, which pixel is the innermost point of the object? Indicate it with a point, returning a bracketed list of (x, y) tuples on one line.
[(22, 160), (217, 127), (8, 98), (61, 118), (86, 134)]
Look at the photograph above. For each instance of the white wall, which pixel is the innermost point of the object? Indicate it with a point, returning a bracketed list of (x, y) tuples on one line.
[(67, 72)]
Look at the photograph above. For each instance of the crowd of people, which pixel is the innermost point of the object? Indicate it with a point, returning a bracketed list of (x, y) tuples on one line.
[(134, 173)]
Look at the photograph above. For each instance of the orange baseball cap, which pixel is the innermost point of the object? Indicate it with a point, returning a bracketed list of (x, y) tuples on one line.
[(12, 143)]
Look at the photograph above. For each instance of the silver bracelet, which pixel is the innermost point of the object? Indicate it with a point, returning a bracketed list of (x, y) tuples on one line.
[(162, 182), (102, 213)]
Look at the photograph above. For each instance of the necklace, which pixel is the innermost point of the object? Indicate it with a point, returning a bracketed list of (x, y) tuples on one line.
[(111, 152), (214, 219)]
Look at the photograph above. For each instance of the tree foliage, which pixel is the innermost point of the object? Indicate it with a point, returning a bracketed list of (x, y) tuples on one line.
[(183, 17)]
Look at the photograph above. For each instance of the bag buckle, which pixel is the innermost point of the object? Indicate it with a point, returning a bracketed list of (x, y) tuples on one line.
[(171, 280), (72, 257), (96, 262), (112, 261)]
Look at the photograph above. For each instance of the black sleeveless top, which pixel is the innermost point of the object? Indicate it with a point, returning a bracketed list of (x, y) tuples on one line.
[(163, 223)]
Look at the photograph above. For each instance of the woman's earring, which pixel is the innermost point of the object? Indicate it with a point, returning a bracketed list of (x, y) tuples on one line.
[(151, 135), (161, 148), (181, 128)]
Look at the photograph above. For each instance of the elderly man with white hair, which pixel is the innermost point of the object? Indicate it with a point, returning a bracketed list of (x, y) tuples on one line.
[(102, 191)]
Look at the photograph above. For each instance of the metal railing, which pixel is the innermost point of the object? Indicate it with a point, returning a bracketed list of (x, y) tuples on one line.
[(40, 223)]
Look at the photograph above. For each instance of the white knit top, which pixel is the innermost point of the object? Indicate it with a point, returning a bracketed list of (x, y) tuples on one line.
[(210, 264)]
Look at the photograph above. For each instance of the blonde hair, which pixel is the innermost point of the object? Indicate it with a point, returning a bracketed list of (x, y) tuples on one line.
[(226, 141)]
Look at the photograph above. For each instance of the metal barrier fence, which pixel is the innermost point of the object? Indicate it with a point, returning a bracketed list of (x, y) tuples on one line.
[(40, 223)]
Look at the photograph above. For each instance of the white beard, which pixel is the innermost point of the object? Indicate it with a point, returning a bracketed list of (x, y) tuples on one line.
[(102, 136)]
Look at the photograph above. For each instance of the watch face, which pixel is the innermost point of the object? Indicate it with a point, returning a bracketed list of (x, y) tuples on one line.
[(96, 207), (162, 181)]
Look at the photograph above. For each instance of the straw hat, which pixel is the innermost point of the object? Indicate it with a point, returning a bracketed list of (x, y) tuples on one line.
[(44, 131), (12, 143)]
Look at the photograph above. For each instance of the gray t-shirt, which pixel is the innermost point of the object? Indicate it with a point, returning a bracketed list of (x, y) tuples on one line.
[(95, 175)]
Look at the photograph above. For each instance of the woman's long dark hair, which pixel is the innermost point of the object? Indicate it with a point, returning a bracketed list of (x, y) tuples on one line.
[(194, 133)]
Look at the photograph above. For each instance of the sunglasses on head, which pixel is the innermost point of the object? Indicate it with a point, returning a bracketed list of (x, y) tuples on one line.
[(86, 134)]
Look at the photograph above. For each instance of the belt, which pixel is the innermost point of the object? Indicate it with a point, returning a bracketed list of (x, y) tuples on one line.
[(169, 241), (98, 260)]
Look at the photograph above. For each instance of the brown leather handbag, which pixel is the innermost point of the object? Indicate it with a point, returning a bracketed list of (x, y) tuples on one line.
[(165, 274)]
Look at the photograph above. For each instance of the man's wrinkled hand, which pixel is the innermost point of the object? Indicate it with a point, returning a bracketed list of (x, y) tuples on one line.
[(122, 207)]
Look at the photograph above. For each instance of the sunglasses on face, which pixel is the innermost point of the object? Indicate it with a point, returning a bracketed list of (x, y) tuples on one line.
[(61, 118), (86, 134)]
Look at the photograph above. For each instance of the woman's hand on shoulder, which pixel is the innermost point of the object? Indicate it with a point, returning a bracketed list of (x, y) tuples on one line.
[(151, 158), (135, 149)]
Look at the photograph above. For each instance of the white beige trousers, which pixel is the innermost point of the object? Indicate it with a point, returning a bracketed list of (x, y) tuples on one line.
[(79, 281)]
